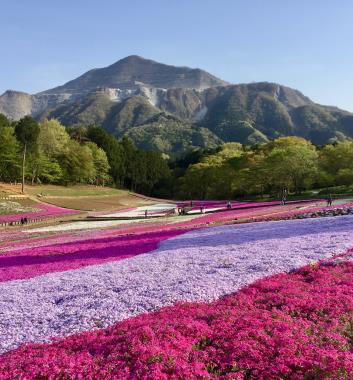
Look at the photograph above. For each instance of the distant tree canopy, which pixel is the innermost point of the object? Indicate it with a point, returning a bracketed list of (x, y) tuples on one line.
[(48, 152), (132, 168), (290, 163)]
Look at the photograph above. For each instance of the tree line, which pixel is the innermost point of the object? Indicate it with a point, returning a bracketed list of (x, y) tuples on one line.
[(48, 152), (291, 163)]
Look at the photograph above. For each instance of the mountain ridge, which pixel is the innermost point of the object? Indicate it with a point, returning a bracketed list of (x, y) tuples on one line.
[(135, 93)]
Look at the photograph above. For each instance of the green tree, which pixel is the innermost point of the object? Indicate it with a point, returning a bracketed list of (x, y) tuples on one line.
[(52, 138), (252, 175), (43, 169), (114, 151), (27, 132), (214, 176), (291, 163), (4, 121), (101, 164), (77, 163), (9, 155), (336, 164)]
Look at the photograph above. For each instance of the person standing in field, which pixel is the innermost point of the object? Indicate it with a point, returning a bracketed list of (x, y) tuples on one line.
[(329, 200), (284, 196)]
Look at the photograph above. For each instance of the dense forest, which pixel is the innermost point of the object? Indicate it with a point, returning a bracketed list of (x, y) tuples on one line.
[(291, 163), (49, 152)]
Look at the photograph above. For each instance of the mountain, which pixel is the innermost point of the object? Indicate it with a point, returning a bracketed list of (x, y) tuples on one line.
[(15, 104), (133, 72), (174, 109)]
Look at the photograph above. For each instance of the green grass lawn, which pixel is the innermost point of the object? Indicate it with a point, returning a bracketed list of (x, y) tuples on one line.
[(72, 191)]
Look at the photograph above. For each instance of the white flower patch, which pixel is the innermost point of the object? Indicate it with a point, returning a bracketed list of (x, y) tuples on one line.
[(9, 207), (157, 209)]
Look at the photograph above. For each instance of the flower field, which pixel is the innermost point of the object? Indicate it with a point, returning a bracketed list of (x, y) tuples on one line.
[(193, 297), (41, 210)]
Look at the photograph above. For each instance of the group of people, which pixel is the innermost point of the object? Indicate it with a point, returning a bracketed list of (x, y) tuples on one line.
[(184, 210), (329, 199), (24, 221)]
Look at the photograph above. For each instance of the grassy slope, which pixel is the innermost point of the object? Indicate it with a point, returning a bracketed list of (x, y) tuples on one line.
[(80, 197), (72, 191)]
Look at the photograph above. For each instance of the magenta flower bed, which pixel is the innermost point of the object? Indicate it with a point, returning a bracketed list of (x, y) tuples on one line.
[(35, 261), (293, 326), (45, 210), (72, 252), (54, 253)]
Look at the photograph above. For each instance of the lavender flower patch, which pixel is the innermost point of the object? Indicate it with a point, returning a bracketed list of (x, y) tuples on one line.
[(199, 265)]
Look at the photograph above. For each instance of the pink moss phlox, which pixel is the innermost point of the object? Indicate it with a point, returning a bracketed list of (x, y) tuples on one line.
[(44, 210), (59, 257), (294, 326)]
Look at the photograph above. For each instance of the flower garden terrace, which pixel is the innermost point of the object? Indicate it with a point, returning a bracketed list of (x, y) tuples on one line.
[(110, 292)]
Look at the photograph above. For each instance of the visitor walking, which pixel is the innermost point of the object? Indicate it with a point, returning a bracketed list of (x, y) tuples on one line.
[(284, 196), (329, 200)]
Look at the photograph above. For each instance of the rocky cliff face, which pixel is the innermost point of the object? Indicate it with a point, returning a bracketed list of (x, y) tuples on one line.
[(15, 104)]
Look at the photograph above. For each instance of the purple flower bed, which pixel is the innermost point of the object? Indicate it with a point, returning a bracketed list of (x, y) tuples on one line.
[(289, 326), (59, 257), (201, 265)]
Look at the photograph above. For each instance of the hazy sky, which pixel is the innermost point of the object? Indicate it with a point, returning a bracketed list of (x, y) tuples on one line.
[(305, 44)]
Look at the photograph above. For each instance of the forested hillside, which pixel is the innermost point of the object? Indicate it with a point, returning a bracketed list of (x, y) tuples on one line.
[(248, 114), (49, 152), (175, 109)]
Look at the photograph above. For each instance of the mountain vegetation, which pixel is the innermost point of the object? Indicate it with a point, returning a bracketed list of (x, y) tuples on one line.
[(164, 133), (51, 153), (175, 109)]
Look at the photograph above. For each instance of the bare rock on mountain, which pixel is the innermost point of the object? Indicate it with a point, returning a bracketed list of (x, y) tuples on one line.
[(15, 104), (132, 72)]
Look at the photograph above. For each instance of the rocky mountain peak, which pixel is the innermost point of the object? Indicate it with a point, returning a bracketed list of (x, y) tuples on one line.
[(134, 70), (16, 104)]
